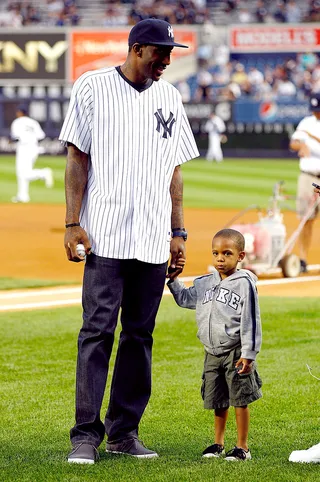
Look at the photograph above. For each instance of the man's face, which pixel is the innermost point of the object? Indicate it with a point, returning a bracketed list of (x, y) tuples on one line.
[(154, 60), (226, 255), (317, 114)]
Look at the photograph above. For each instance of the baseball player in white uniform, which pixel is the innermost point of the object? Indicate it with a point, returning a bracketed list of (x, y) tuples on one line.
[(306, 142), (127, 134), (27, 133), (215, 127)]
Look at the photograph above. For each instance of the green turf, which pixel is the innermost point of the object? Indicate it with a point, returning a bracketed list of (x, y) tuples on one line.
[(235, 183), (38, 356)]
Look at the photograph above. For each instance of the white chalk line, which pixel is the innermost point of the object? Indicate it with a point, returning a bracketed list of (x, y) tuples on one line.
[(77, 290)]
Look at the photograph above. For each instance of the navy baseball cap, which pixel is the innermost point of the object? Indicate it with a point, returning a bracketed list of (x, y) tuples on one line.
[(22, 108), (315, 102), (153, 31)]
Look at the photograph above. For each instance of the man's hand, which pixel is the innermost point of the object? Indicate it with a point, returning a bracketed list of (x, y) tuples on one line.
[(74, 236), (243, 366), (178, 257)]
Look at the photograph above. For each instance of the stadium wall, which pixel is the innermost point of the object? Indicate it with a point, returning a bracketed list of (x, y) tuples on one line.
[(38, 67)]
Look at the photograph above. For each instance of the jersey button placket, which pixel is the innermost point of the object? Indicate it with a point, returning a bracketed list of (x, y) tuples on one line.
[(136, 133)]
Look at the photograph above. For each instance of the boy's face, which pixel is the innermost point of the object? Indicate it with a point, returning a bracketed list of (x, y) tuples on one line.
[(226, 256)]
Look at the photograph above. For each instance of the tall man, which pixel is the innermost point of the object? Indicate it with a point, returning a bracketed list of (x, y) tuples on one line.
[(27, 133), (306, 142), (127, 135)]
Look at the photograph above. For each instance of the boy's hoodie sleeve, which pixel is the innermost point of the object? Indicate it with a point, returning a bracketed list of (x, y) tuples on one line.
[(250, 330), (184, 297)]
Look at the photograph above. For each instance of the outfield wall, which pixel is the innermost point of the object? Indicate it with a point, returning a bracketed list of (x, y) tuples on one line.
[(38, 67)]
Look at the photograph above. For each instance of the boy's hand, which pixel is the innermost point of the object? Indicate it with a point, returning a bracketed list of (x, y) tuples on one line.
[(243, 366), (173, 272)]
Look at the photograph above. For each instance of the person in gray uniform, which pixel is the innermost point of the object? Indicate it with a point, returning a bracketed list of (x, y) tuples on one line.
[(229, 326)]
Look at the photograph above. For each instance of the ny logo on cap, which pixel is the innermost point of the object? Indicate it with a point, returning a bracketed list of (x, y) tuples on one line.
[(170, 31), (166, 124), (314, 102)]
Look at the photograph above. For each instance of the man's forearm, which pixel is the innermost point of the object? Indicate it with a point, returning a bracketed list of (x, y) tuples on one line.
[(295, 145), (76, 177), (176, 192)]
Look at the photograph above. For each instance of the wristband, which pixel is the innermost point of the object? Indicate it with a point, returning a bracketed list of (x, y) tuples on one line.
[(180, 233), (71, 225)]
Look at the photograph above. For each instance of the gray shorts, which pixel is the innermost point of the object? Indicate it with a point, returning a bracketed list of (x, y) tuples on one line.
[(305, 194), (222, 386)]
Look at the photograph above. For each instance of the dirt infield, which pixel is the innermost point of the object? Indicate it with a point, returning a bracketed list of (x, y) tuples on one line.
[(32, 242)]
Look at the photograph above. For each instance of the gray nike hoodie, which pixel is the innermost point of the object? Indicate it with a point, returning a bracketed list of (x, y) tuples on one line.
[(227, 311)]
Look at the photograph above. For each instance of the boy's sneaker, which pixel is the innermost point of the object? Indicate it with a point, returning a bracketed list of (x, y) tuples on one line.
[(309, 456), (131, 446), (215, 450), (83, 454), (238, 454)]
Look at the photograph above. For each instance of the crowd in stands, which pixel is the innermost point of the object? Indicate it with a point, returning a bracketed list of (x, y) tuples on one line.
[(271, 11), (26, 13), (128, 12), (276, 78)]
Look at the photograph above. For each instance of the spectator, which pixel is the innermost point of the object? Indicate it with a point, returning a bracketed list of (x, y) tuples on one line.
[(280, 13), (255, 77), (314, 11), (61, 19), (204, 90), (114, 15), (293, 12), (72, 15), (285, 88), (239, 76), (184, 89), (261, 12), (244, 16)]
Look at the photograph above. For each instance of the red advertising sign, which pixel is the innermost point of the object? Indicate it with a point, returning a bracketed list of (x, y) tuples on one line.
[(92, 50), (274, 38)]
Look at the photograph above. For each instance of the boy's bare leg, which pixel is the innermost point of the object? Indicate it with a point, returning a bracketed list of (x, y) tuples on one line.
[(220, 421), (242, 420)]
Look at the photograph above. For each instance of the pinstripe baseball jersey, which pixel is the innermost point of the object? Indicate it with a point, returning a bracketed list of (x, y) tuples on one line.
[(134, 140)]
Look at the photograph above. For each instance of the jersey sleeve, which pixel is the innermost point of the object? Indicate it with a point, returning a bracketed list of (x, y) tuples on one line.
[(299, 134), (77, 126), (187, 146), (184, 297)]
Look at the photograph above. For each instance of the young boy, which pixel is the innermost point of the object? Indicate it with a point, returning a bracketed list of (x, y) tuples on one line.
[(228, 318)]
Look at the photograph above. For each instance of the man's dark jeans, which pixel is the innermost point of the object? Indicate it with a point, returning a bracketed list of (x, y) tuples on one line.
[(108, 285)]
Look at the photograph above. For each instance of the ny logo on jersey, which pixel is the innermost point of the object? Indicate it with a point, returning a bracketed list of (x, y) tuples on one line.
[(170, 31), (166, 124)]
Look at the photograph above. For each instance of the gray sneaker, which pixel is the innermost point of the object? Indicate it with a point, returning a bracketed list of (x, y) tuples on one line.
[(83, 454), (131, 446)]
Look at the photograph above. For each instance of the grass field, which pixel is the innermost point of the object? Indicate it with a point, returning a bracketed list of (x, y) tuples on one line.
[(234, 183), (38, 356)]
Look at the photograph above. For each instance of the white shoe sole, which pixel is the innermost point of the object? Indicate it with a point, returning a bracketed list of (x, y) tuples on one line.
[(234, 459), (146, 456), (212, 456), (81, 461)]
